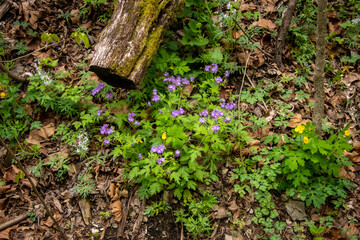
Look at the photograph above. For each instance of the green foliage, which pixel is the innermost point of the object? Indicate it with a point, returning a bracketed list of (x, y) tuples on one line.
[(49, 37), (311, 165), (157, 207), (81, 37), (59, 164), (85, 185), (196, 218), (21, 47)]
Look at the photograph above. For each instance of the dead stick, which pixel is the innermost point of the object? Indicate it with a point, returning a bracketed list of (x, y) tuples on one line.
[(11, 74), (243, 30), (34, 189), (13, 221)]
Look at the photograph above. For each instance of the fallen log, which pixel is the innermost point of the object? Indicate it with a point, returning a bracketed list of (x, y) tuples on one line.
[(129, 42)]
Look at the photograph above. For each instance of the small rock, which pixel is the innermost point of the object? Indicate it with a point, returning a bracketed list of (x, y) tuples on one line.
[(296, 210), (228, 237)]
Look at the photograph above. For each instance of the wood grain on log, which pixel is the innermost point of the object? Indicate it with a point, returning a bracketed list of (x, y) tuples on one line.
[(128, 44)]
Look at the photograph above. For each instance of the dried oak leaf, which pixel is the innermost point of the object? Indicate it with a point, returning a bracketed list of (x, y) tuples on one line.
[(116, 210), (37, 136), (296, 120), (267, 24)]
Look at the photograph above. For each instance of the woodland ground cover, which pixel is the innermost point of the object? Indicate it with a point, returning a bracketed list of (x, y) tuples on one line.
[(216, 143)]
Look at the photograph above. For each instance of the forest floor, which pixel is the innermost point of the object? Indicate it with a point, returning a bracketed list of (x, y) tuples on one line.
[(98, 216)]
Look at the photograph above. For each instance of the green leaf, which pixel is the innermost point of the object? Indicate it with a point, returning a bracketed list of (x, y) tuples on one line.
[(155, 187), (178, 193)]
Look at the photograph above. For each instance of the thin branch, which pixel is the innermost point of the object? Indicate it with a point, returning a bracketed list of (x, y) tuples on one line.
[(13, 221), (36, 50), (243, 30), (34, 188), (12, 75)]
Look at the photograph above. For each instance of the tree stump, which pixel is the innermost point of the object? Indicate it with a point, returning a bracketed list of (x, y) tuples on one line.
[(129, 42)]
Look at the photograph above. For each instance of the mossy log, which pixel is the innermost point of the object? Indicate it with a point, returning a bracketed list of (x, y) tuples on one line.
[(129, 42)]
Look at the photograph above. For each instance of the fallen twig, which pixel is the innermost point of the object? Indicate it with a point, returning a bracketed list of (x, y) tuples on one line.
[(13, 221), (242, 81), (34, 188), (11, 74)]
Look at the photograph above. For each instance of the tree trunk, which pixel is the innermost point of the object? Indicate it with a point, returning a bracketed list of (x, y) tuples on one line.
[(289, 12), (320, 65), (128, 44)]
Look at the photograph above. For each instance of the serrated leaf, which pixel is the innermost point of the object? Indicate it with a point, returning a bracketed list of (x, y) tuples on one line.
[(155, 187), (191, 185), (178, 193)]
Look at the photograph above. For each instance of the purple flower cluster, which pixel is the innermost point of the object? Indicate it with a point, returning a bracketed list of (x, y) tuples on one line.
[(175, 82), (98, 88), (179, 112), (227, 119), (204, 113), (202, 120), (213, 68), (106, 142), (109, 95), (155, 96), (161, 160), (218, 80), (140, 156), (99, 112), (131, 116), (177, 153), (228, 106), (215, 128), (216, 113), (227, 74), (158, 149), (105, 130)]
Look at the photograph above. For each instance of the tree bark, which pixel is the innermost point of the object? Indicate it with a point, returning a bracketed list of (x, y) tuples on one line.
[(289, 12), (319, 94), (128, 44)]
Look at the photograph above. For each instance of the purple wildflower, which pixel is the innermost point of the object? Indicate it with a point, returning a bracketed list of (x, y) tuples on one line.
[(202, 120), (207, 68), (175, 113), (204, 113), (104, 128), (227, 74), (192, 79), (140, 156), (218, 80), (106, 142), (99, 112), (137, 123), (166, 74), (171, 88), (131, 117), (227, 119), (181, 111), (177, 81), (230, 106), (177, 153), (185, 81), (155, 98), (109, 131), (148, 103), (159, 149), (161, 160), (216, 113), (155, 92), (215, 128), (214, 68), (109, 95), (98, 88)]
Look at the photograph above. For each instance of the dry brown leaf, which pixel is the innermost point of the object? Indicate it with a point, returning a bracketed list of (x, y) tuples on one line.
[(247, 7), (34, 19), (220, 212), (5, 233), (295, 120), (349, 78), (267, 24), (187, 90), (37, 136), (9, 175), (116, 210), (85, 210), (356, 146)]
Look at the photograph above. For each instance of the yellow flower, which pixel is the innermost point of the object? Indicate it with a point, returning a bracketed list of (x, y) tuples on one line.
[(306, 140), (139, 141), (2, 94), (300, 129), (163, 136), (347, 133)]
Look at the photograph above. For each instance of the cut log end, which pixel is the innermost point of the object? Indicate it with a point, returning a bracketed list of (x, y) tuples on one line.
[(112, 79)]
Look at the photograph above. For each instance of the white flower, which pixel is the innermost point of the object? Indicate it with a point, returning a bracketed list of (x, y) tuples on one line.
[(83, 140), (43, 76)]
